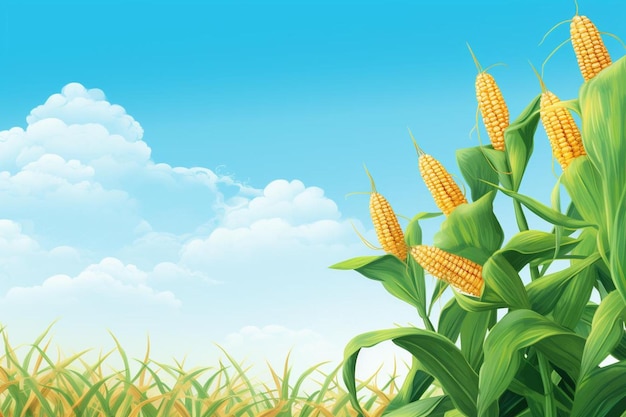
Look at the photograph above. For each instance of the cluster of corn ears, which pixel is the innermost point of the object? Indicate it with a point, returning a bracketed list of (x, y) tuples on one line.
[(543, 356)]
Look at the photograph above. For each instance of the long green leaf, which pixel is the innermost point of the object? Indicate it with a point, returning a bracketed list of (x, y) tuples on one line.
[(473, 332), (517, 330), (618, 248), (437, 355), (530, 245), (390, 271), (475, 167), (603, 388), (518, 141), (427, 407), (546, 213), (602, 102), (607, 329), (502, 279), (584, 185), (544, 293)]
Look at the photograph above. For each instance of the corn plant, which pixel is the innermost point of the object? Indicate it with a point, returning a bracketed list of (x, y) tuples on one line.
[(542, 356)]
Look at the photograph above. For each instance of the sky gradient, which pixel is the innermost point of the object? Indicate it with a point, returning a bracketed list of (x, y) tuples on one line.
[(181, 168)]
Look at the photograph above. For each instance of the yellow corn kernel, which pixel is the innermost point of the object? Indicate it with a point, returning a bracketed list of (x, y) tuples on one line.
[(561, 129), (590, 51), (493, 109), (386, 225), (457, 271)]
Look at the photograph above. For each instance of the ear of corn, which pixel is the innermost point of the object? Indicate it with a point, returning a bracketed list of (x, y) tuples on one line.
[(444, 190), (493, 109), (386, 225), (561, 129), (453, 269), (590, 51)]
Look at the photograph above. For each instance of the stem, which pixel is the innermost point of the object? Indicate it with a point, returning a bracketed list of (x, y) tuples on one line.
[(522, 225), (548, 395), (426, 319), (544, 365)]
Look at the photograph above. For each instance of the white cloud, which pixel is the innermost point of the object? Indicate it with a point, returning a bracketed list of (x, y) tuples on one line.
[(96, 289), (99, 233), (24, 260), (289, 201), (78, 105)]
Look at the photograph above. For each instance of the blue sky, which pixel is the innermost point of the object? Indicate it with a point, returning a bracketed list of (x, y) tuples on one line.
[(181, 167)]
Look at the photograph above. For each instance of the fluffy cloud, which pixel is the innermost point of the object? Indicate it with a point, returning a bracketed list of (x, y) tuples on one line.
[(96, 289), (99, 233), (78, 105), (23, 259), (290, 201), (81, 167)]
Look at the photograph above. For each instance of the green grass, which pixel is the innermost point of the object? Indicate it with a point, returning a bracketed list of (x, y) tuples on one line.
[(33, 384)]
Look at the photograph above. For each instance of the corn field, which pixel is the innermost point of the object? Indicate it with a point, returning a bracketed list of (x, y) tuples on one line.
[(504, 344)]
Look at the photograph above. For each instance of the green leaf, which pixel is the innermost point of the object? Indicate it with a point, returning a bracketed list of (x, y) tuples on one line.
[(584, 185), (391, 272), (492, 302), (503, 280), (499, 162), (517, 330), (545, 292), (413, 387), (518, 141), (607, 329), (602, 103), (413, 237), (355, 263), (603, 389), (546, 213), (471, 231), (473, 332), (427, 407), (572, 301), (413, 232), (450, 320), (437, 355), (529, 245), (618, 248), (475, 166)]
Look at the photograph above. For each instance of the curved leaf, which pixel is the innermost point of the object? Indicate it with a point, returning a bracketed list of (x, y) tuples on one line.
[(475, 167), (500, 164), (428, 407), (450, 320), (584, 185), (545, 292), (413, 387), (602, 103), (603, 388), (618, 248), (502, 280), (546, 213), (473, 332), (607, 329), (529, 245), (391, 272), (572, 301), (471, 230), (518, 141), (437, 355), (517, 330), (413, 232)]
